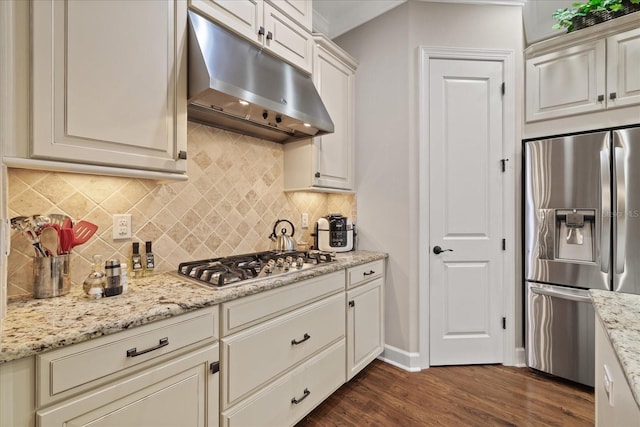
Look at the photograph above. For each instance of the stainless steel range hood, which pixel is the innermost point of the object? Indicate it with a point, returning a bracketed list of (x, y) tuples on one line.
[(236, 86)]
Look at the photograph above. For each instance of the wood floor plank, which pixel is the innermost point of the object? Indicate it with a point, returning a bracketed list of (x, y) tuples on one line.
[(479, 395)]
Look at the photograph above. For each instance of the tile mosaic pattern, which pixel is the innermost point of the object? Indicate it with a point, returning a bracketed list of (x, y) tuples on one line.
[(229, 205)]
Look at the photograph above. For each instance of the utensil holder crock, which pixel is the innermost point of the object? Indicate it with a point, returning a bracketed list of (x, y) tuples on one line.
[(51, 276)]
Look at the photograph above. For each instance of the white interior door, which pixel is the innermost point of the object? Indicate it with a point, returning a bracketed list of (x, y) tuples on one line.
[(465, 211)]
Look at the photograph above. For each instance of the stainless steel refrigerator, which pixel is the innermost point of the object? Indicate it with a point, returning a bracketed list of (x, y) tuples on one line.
[(581, 231)]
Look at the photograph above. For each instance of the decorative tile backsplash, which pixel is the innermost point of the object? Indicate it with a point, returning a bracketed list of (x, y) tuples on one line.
[(229, 205)]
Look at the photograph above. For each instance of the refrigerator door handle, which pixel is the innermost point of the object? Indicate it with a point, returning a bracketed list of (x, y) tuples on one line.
[(572, 296), (620, 226), (605, 209)]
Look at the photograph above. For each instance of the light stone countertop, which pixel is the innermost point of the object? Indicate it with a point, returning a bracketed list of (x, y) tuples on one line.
[(620, 315), (38, 325)]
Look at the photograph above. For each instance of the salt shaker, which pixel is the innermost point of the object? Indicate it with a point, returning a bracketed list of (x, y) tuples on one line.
[(95, 282)]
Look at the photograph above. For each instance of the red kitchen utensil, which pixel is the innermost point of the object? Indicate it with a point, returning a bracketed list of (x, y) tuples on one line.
[(82, 231), (66, 240)]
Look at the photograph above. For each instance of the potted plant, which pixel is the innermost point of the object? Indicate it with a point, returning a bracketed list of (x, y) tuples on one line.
[(591, 12)]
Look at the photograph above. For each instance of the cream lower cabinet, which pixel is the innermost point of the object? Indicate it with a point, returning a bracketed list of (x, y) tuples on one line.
[(290, 358), (365, 315), (615, 404), (327, 161), (162, 374), (109, 84), (180, 392)]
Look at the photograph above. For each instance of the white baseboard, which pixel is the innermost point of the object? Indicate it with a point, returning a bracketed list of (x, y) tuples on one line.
[(520, 358), (411, 361), (400, 358)]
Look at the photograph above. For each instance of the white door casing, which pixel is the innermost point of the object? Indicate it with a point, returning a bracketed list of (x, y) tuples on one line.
[(466, 205)]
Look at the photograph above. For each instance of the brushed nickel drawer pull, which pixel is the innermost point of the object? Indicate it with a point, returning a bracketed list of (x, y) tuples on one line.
[(133, 352), (369, 273), (305, 394), (304, 338)]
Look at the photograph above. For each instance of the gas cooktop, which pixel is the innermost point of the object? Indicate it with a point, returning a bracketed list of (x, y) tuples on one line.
[(221, 273)]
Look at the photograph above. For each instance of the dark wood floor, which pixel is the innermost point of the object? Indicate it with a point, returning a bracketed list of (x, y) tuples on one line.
[(481, 395)]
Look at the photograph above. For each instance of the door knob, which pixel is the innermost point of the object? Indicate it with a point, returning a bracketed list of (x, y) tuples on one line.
[(438, 250)]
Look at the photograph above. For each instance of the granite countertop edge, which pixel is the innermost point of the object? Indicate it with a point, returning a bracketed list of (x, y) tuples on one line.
[(38, 325), (620, 315)]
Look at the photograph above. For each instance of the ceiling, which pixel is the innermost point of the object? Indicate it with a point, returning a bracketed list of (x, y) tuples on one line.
[(336, 17)]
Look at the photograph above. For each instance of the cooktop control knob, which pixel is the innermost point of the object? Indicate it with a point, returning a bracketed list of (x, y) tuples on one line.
[(299, 262), (280, 262)]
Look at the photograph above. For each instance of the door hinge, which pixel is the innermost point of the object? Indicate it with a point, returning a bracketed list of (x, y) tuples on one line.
[(504, 244), (504, 323), (503, 164), (503, 88), (214, 367)]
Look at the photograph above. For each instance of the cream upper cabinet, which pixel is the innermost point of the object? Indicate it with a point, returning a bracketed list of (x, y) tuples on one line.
[(109, 83), (272, 25), (570, 75), (327, 161), (623, 69), (567, 81), (615, 404)]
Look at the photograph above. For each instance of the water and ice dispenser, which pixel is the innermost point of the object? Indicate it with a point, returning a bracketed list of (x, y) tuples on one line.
[(567, 234)]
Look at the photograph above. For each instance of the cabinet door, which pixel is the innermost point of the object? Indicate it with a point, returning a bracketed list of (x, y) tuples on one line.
[(182, 392), (365, 325), (615, 404), (300, 11), (287, 39), (623, 65), (244, 17), (109, 83), (566, 82), (334, 81)]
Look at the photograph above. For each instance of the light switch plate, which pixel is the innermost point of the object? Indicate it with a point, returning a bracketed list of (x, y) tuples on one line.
[(121, 226), (305, 220)]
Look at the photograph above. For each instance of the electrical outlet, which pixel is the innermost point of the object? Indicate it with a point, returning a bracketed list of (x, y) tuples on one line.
[(121, 226), (305, 220)]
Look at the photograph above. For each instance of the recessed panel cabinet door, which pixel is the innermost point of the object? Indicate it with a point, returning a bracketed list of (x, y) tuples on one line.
[(623, 63), (566, 82), (109, 83), (180, 392)]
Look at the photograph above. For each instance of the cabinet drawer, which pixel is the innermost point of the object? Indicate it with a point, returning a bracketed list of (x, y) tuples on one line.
[(178, 392), (244, 312), (252, 357), (363, 273), (274, 405), (69, 367)]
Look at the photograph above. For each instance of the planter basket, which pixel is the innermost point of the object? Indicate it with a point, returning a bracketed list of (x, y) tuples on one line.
[(599, 16)]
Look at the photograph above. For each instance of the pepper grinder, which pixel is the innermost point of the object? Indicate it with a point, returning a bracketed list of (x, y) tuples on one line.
[(113, 286)]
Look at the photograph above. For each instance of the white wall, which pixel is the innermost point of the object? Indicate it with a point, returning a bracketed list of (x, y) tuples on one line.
[(387, 135)]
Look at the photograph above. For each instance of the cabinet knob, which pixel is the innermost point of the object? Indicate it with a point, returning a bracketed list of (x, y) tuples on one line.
[(269, 35), (352, 303), (613, 95), (600, 98), (317, 174), (182, 155), (261, 31)]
